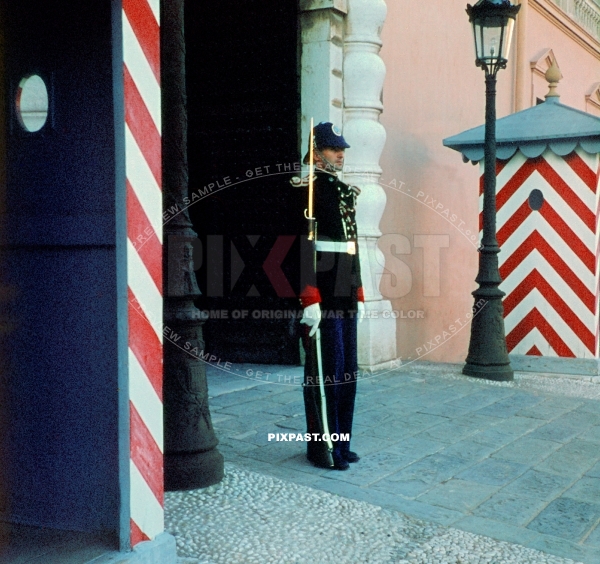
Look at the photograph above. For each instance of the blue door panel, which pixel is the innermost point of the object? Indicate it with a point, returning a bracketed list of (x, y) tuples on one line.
[(58, 259)]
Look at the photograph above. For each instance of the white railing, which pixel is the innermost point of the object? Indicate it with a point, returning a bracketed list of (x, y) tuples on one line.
[(585, 12)]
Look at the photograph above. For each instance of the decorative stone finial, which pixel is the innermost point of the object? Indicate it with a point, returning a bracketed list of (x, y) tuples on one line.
[(553, 76)]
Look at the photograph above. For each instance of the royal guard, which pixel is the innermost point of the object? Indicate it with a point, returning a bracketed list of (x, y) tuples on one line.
[(332, 300)]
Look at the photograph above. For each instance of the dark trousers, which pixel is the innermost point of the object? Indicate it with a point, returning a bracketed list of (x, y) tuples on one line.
[(340, 369)]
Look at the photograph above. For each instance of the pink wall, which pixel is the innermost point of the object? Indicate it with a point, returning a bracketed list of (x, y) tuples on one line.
[(579, 67), (433, 90)]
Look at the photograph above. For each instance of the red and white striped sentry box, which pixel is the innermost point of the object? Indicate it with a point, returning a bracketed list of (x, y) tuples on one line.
[(547, 229), (547, 196), (141, 72)]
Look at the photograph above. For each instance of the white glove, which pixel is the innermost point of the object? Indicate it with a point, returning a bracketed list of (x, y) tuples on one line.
[(360, 311), (312, 316)]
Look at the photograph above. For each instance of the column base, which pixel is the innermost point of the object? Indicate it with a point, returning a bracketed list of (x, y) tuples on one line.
[(161, 550), (190, 471), (377, 335)]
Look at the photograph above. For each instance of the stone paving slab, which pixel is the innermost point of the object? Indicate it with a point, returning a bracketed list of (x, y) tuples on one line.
[(448, 432), (592, 434), (469, 450), (415, 446), (589, 406), (510, 406), (238, 397), (593, 539), (571, 459), (475, 401), (540, 485), (518, 426), (494, 438), (585, 489), (558, 431), (416, 509), (527, 449), (566, 518), (544, 410), (518, 461), (433, 469), (510, 508), (594, 472), (496, 529), (444, 409), (578, 418), (459, 495), (494, 472)]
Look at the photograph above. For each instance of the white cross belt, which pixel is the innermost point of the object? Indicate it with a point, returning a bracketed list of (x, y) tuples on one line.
[(336, 247)]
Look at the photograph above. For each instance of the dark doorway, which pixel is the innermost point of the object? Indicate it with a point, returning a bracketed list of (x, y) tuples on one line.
[(243, 100)]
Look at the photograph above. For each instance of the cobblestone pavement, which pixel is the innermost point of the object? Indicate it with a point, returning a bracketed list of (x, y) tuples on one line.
[(252, 518), (516, 462)]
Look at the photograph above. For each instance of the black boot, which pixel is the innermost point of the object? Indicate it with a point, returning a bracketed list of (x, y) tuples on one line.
[(350, 456), (339, 462)]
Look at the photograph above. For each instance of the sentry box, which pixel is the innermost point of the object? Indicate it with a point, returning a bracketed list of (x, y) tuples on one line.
[(547, 227)]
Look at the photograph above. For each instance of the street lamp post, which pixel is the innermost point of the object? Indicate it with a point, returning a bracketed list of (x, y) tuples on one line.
[(191, 458), (493, 22)]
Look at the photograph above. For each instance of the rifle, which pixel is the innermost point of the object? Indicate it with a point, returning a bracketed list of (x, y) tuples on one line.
[(312, 236)]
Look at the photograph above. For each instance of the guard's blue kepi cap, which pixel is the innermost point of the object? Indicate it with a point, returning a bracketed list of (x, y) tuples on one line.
[(327, 135)]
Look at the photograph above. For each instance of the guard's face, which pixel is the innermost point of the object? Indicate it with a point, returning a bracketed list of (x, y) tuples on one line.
[(335, 158)]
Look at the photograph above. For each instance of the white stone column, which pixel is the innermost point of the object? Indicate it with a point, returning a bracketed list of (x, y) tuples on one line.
[(322, 32), (363, 75)]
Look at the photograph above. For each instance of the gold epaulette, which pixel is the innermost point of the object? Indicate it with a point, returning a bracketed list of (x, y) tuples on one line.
[(298, 182)]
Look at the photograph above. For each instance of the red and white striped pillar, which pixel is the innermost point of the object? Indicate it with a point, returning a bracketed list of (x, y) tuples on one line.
[(549, 259), (141, 71)]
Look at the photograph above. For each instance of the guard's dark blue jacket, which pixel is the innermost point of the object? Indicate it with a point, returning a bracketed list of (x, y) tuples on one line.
[(335, 283)]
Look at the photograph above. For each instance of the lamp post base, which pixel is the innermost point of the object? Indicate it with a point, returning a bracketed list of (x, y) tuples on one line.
[(190, 471), (488, 356), (499, 373)]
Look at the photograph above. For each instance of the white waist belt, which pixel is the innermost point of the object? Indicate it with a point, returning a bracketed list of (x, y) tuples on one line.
[(336, 247)]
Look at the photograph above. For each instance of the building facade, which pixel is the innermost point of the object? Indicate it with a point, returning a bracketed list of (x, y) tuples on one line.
[(432, 91)]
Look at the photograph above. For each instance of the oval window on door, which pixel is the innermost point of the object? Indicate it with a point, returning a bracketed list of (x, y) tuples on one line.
[(32, 103)]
